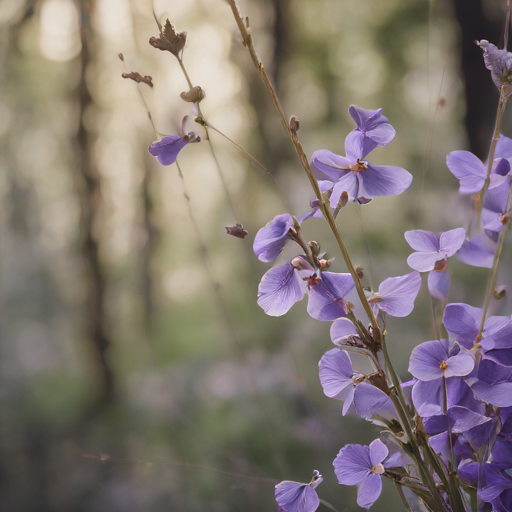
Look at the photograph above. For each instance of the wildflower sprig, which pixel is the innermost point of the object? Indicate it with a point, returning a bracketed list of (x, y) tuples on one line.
[(446, 434)]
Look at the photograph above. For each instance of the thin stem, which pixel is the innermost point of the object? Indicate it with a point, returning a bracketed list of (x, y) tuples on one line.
[(324, 207), (205, 126), (473, 496), (495, 137), (495, 265), (252, 159)]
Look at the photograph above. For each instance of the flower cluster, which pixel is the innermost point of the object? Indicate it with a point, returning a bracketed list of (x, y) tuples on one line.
[(446, 434), (458, 405)]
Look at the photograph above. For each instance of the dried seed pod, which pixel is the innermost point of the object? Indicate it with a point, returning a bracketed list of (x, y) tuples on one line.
[(195, 95)]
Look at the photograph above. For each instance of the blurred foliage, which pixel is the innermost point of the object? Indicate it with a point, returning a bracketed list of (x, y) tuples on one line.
[(222, 400)]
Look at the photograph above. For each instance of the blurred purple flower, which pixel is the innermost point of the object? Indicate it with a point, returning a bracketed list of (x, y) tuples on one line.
[(295, 497), (433, 360), (167, 148), (396, 295), (363, 466)]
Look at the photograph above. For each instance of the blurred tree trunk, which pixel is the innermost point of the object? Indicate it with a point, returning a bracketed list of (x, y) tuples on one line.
[(151, 237), (481, 93), (89, 185)]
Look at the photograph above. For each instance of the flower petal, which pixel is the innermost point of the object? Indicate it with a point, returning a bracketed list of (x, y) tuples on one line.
[(369, 491), (352, 464), (167, 148), (280, 288), (468, 169), (398, 294), (439, 284), (451, 241), (270, 240), (327, 165), (325, 301), (336, 373), (426, 358), (422, 241), (383, 180), (462, 321), (378, 452), (295, 497)]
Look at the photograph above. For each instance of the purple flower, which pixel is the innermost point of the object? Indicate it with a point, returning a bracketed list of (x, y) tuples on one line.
[(295, 497), (433, 249), (337, 377), (286, 284), (427, 396), (463, 322), (363, 466), (326, 295), (492, 383), (373, 130), (498, 62), (270, 240), (476, 428), (360, 179), (472, 172), (433, 360), (396, 295), (167, 148)]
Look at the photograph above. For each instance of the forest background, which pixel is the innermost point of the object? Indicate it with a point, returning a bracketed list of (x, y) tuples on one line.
[(113, 341)]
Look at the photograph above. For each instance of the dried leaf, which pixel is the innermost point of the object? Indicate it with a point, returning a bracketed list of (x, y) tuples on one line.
[(169, 39), (137, 77)]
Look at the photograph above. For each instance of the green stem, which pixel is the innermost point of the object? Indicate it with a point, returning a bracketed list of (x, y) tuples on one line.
[(495, 137), (495, 265), (400, 492)]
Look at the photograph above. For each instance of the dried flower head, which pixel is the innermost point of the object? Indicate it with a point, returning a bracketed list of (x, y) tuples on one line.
[(237, 230), (169, 39), (195, 95)]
